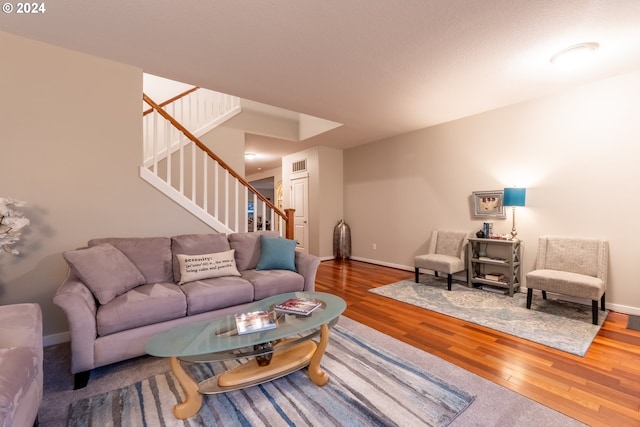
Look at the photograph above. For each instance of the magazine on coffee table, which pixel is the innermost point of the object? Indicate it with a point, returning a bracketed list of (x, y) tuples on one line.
[(297, 306), (254, 321)]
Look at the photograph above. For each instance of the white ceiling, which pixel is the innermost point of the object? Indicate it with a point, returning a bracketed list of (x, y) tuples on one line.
[(381, 67)]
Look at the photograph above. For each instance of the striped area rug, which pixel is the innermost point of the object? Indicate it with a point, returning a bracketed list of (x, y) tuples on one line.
[(368, 386)]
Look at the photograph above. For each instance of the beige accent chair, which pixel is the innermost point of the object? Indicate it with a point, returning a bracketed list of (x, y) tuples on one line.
[(447, 254), (571, 266)]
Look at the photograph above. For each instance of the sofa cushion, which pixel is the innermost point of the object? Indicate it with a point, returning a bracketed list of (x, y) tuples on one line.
[(19, 368), (151, 255), (105, 270), (145, 305), (212, 294), (567, 283), (247, 246), (272, 282), (277, 253), (206, 266), (196, 244)]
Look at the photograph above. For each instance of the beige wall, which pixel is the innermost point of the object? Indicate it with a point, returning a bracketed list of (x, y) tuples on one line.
[(70, 138), (576, 153), (330, 195)]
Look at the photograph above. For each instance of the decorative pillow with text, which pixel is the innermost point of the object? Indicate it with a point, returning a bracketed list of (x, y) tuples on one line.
[(207, 266)]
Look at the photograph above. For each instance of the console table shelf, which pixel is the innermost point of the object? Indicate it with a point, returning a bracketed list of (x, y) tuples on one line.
[(502, 257)]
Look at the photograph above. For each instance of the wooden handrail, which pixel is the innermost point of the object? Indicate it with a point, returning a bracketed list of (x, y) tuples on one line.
[(288, 215), (174, 99)]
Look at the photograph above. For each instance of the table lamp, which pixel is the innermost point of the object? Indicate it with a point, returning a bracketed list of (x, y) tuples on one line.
[(514, 197)]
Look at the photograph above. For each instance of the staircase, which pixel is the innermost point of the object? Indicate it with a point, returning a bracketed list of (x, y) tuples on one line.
[(178, 164)]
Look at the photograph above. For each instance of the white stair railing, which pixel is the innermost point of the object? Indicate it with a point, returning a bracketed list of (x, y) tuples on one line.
[(186, 170), (199, 110)]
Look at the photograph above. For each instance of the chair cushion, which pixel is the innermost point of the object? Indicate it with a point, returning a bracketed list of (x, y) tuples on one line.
[(105, 270), (450, 243), (574, 255), (144, 305), (277, 253), (207, 266), (440, 263), (566, 283)]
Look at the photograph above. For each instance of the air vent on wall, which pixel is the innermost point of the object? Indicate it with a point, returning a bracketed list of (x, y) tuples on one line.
[(299, 166)]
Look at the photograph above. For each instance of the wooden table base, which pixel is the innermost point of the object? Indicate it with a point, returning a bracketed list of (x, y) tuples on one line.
[(250, 373)]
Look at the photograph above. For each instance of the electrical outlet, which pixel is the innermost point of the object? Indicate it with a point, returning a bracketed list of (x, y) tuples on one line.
[(374, 246)]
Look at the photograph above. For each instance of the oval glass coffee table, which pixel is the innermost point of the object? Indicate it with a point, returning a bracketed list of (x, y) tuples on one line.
[(270, 354)]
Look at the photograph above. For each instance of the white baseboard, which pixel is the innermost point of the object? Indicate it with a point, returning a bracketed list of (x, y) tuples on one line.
[(53, 339)]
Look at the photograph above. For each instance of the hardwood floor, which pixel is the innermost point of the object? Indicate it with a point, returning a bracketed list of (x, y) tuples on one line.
[(600, 389)]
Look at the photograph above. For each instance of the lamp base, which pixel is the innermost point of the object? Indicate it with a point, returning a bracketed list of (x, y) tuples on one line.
[(514, 233)]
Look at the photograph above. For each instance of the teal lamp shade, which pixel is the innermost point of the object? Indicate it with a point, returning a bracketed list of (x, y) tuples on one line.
[(514, 196)]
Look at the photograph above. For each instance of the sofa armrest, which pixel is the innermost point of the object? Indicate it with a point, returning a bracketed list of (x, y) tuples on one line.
[(79, 304), (307, 266)]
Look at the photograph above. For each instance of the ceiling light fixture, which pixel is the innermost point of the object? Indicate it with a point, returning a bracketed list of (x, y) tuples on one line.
[(575, 55), (249, 156)]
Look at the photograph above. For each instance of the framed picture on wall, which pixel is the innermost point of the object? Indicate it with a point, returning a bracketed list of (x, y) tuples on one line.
[(489, 204)]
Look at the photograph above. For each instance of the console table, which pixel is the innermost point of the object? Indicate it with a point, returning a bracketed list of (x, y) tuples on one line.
[(494, 256)]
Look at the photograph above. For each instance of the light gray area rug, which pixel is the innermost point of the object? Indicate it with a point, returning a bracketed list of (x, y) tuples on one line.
[(633, 323), (493, 405), (558, 324)]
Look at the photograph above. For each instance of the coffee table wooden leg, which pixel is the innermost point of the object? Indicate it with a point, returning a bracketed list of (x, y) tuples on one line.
[(317, 375), (193, 400)]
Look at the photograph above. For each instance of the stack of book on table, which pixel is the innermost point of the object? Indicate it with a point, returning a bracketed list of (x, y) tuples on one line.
[(494, 277), (254, 321), (297, 306), (497, 277)]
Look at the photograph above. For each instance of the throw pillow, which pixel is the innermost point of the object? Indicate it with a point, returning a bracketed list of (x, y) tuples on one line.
[(196, 244), (207, 266), (247, 246), (277, 254), (105, 270)]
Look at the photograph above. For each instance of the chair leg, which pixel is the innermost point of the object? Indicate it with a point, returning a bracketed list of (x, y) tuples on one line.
[(594, 311), (449, 282), (544, 294), (602, 303), (417, 275), (529, 297)]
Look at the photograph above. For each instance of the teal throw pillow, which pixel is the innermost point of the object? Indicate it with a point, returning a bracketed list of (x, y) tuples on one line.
[(277, 253)]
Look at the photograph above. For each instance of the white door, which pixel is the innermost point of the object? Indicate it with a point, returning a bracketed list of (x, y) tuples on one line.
[(300, 202)]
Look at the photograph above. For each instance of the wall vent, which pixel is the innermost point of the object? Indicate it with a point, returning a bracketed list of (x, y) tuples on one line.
[(299, 166)]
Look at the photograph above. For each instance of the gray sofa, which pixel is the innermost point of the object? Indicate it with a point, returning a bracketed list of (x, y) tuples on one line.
[(121, 291), (21, 376)]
